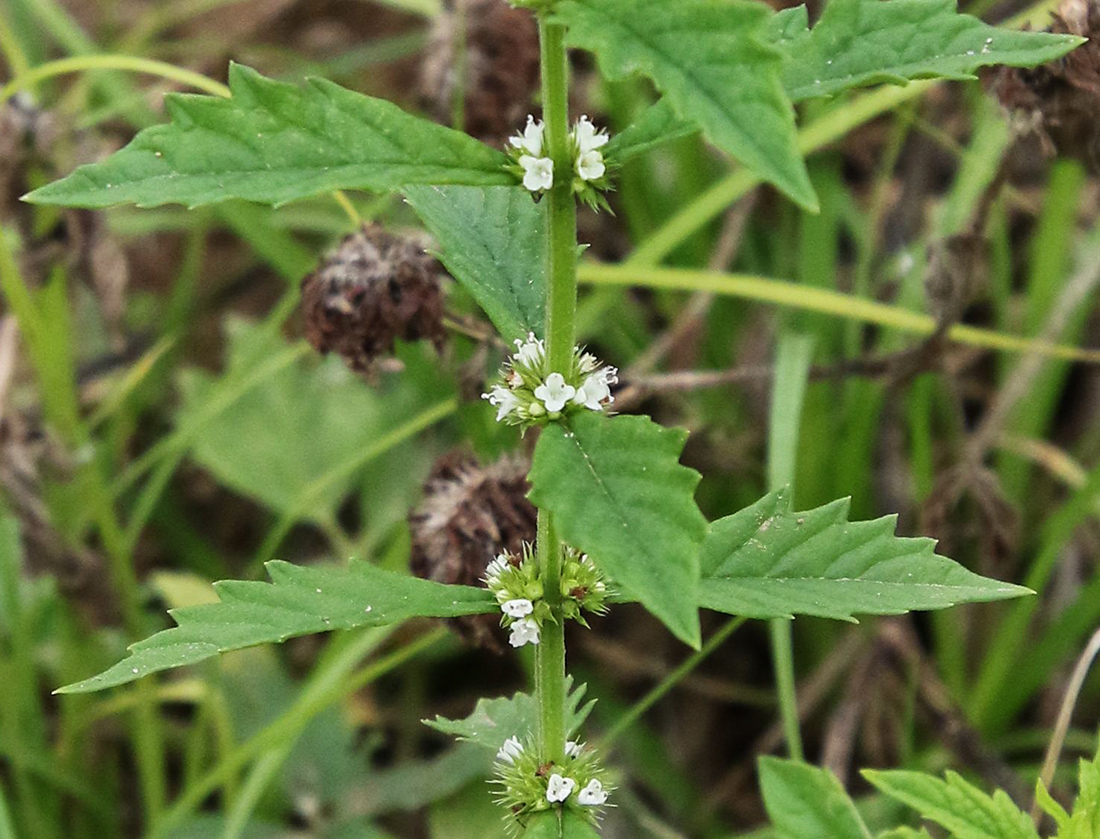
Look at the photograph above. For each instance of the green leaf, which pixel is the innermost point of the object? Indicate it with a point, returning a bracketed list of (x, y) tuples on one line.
[(274, 142), (767, 562), (576, 826), (618, 493), (904, 833), (657, 124), (862, 42), (1084, 823), (706, 57), (960, 807), (492, 241), (329, 415), (545, 825), (559, 824), (298, 601), (804, 801), (495, 720)]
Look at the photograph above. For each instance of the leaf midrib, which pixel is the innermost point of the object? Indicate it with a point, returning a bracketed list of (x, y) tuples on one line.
[(747, 137)]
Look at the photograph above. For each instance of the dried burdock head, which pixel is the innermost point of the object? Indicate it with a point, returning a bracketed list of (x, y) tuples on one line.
[(488, 53), (470, 514), (374, 289), (1061, 100)]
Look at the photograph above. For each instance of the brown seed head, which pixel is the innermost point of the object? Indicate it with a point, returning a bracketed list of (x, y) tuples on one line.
[(1060, 100), (470, 514), (499, 72), (374, 289)]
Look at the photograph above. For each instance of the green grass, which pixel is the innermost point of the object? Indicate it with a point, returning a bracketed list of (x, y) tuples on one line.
[(304, 736)]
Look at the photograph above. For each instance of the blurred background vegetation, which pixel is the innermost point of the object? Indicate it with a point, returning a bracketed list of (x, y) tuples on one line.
[(164, 424)]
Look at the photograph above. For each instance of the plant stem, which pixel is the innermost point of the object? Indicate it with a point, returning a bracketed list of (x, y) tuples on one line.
[(792, 365), (561, 312), (561, 309), (550, 652)]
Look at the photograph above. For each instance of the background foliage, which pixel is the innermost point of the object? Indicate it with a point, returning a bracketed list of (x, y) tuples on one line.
[(164, 425)]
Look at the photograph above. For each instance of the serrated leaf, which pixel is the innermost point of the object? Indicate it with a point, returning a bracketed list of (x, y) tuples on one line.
[(657, 124), (274, 142), (1084, 822), (492, 240), (298, 601), (705, 56), (618, 492), (766, 561), (495, 720), (804, 800), (959, 806), (862, 42)]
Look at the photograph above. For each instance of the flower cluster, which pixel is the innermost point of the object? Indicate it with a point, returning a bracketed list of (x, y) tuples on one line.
[(517, 587), (530, 785), (531, 161), (514, 582), (532, 394)]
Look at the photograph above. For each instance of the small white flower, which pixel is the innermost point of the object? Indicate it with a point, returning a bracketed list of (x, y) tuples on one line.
[(555, 393), (592, 795), (504, 400), (590, 166), (588, 363), (573, 748), (519, 608), (525, 631), (497, 567), (596, 389), (538, 172), (511, 749), (530, 352), (587, 138), (559, 788), (530, 140)]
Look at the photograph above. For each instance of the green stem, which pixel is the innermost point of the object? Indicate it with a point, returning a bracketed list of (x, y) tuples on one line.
[(561, 310), (792, 366), (561, 315), (550, 653)]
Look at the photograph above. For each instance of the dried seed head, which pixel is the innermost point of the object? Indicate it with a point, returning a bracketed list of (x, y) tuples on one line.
[(498, 67), (1060, 100), (374, 289), (469, 515)]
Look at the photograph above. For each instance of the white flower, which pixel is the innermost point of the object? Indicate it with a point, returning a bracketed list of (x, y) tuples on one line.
[(530, 352), (519, 608), (588, 363), (559, 788), (592, 795), (596, 389), (573, 748), (504, 400), (587, 138), (555, 393), (511, 749), (590, 166), (497, 567), (538, 172), (530, 140), (525, 631)]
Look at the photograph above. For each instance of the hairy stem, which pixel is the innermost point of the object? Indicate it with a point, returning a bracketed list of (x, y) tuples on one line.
[(561, 313)]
